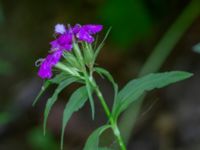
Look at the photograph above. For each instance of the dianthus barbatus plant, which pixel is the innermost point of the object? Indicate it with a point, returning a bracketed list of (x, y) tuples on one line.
[(73, 55)]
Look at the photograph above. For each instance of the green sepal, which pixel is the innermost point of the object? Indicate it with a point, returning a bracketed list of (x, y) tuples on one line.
[(71, 59), (88, 54), (67, 69), (78, 54)]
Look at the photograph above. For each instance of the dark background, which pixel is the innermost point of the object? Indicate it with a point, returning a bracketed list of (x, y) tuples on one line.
[(170, 118)]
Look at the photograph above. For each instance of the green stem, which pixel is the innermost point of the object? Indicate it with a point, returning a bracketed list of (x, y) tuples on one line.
[(111, 119), (157, 58)]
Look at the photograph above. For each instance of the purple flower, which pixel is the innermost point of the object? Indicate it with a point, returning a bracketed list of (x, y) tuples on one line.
[(45, 70), (85, 32), (92, 29), (84, 36), (60, 29), (63, 42), (76, 29)]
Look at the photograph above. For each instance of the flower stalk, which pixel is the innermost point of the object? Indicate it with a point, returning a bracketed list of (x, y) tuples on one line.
[(110, 117)]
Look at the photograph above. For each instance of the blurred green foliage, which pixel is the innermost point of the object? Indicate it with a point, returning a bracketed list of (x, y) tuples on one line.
[(196, 48), (130, 20), (1, 14), (5, 67), (4, 118), (40, 142)]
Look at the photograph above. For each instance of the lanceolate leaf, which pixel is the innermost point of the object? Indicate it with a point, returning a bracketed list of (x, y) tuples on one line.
[(76, 101), (135, 88), (43, 88), (56, 80), (59, 78), (104, 72), (90, 91), (93, 140), (53, 99)]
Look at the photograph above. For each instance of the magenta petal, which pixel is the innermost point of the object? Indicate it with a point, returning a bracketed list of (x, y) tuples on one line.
[(84, 36), (45, 70), (54, 45), (45, 73), (76, 28), (64, 42), (92, 29), (86, 31), (54, 58)]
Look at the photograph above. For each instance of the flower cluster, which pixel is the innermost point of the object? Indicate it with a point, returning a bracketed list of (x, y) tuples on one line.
[(64, 42)]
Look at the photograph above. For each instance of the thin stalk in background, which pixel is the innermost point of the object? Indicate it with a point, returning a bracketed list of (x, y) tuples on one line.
[(156, 60)]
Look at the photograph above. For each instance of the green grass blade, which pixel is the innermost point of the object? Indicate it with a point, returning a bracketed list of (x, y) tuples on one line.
[(76, 101), (93, 140)]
